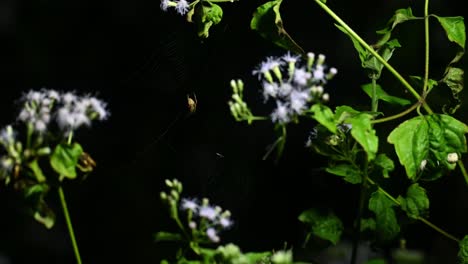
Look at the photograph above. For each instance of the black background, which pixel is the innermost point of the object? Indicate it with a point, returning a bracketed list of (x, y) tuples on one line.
[(144, 62)]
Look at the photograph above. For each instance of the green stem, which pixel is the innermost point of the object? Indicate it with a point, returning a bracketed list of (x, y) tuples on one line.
[(375, 100), (393, 117), (426, 40), (377, 56), (63, 202), (69, 225), (362, 199), (463, 170), (425, 221)]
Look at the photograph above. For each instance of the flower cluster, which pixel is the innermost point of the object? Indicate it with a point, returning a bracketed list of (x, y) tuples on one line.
[(69, 110), (181, 6), (211, 219), (204, 221), (294, 90)]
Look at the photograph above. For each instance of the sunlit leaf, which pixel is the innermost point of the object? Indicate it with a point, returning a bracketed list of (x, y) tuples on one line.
[(430, 137), (364, 134), (324, 115), (454, 28), (65, 158)]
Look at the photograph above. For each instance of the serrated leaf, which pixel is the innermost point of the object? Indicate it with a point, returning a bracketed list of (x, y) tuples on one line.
[(350, 173), (386, 222), (411, 140), (385, 164), (65, 158), (454, 28), (454, 79), (364, 134), (167, 236), (326, 226), (384, 96), (268, 23), (463, 251), (324, 115), (416, 203)]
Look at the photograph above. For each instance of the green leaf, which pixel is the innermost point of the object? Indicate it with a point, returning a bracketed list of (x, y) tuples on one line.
[(368, 224), (411, 140), (386, 52), (324, 115), (386, 223), (382, 95), (453, 78), (350, 173), (325, 226), (416, 203), (268, 23), (400, 16), (385, 163), (454, 28), (65, 158), (364, 134), (463, 251), (167, 236), (205, 15)]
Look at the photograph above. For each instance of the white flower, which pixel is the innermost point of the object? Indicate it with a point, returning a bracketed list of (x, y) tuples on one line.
[(299, 100), (7, 136), (225, 222), (192, 225), (281, 113), (301, 76), (270, 90), (211, 233), (208, 212), (319, 74), (265, 66), (285, 89), (69, 98), (423, 164), (189, 204), (164, 5), (182, 7), (290, 58)]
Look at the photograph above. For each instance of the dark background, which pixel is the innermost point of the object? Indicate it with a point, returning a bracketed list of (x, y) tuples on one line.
[(144, 62)]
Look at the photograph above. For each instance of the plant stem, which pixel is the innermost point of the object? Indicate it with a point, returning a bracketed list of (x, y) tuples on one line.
[(389, 118), (463, 170), (426, 40), (63, 202), (375, 100), (69, 225), (362, 198), (424, 220), (377, 56)]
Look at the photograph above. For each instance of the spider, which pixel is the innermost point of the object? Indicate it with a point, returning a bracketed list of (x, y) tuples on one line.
[(192, 103)]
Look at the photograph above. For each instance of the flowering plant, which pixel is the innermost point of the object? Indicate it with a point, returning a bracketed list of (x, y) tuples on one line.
[(428, 144), (38, 151)]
